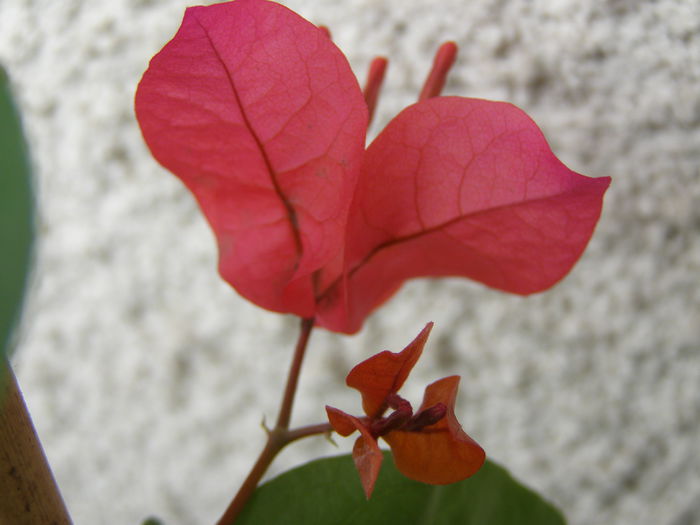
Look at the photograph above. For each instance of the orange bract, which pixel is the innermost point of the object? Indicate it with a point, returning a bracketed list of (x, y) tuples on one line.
[(428, 446), (385, 373), (441, 453)]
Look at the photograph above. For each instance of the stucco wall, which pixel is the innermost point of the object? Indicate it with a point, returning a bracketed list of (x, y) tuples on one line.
[(148, 377)]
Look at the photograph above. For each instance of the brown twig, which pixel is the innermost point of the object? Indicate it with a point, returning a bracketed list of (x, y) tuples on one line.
[(28, 492)]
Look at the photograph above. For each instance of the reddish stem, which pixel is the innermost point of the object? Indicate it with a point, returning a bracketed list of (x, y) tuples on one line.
[(375, 78), (444, 58), (293, 376), (280, 436), (277, 439), (309, 430), (326, 31)]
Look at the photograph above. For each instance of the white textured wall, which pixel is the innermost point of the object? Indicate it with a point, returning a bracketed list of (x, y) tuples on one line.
[(147, 376)]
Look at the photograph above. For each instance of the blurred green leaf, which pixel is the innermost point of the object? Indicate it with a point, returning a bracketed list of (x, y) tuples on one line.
[(152, 521), (328, 491), (16, 214)]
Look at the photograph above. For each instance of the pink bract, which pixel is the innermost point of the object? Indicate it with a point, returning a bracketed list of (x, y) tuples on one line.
[(259, 114)]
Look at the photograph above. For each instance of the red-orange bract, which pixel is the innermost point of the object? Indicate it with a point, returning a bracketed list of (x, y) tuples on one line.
[(258, 113), (428, 446)]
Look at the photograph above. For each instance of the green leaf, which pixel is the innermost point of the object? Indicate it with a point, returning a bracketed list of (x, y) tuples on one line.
[(152, 521), (16, 214), (328, 491)]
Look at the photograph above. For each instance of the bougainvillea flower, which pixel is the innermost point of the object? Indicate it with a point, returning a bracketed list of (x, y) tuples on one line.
[(428, 445), (259, 114)]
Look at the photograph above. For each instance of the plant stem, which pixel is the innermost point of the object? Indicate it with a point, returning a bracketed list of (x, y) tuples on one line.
[(28, 491), (310, 430), (293, 377), (280, 436)]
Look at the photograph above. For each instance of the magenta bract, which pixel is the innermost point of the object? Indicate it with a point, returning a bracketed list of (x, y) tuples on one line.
[(260, 115)]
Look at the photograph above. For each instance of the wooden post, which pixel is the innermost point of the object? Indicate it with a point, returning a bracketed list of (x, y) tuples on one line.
[(28, 492)]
